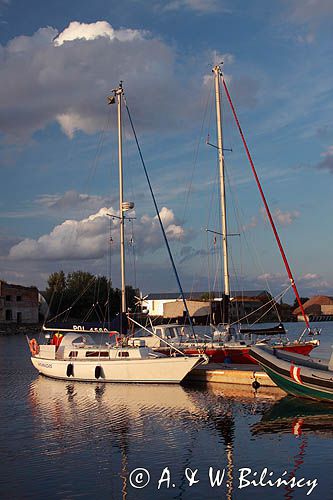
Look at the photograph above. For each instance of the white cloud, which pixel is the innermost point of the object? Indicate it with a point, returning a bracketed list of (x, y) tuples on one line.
[(282, 218), (310, 283), (308, 17), (199, 6), (226, 58), (70, 200), (217, 58), (327, 162), (308, 11), (285, 218), (253, 223), (72, 122), (271, 277), (68, 75), (310, 276), (314, 283), (308, 38), (88, 238), (84, 31)]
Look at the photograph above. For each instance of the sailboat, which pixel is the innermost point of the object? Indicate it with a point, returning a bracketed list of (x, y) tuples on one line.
[(229, 343), (75, 355)]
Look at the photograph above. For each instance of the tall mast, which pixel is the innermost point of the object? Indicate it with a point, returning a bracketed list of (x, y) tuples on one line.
[(119, 93), (217, 74)]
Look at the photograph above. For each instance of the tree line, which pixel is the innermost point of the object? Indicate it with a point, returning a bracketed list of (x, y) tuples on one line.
[(81, 294)]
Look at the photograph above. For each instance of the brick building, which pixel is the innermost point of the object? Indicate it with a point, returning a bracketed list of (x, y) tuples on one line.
[(18, 304)]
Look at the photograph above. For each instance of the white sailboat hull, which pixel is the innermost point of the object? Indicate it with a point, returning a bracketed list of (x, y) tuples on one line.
[(150, 370)]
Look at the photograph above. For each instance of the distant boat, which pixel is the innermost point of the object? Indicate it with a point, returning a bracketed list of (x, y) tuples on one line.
[(297, 375), (226, 346), (73, 354)]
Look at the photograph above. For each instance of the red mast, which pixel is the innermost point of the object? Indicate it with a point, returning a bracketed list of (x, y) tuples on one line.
[(269, 215)]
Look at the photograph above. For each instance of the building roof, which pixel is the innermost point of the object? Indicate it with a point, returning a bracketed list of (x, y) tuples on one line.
[(21, 287), (199, 295), (320, 300)]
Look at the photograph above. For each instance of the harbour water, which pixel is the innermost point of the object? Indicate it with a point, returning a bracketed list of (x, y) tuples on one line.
[(64, 440)]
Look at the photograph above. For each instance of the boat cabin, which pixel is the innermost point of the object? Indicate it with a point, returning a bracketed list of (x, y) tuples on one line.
[(172, 333), (78, 346)]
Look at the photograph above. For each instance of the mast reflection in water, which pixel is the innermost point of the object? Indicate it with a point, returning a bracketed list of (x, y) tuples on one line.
[(69, 440)]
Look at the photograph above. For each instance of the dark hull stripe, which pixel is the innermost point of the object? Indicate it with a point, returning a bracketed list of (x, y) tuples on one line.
[(296, 389), (326, 384)]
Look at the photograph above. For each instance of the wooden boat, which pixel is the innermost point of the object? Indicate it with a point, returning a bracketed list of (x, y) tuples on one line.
[(297, 375), (75, 355)]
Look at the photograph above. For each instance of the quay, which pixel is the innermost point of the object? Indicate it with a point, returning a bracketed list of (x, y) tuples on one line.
[(250, 375)]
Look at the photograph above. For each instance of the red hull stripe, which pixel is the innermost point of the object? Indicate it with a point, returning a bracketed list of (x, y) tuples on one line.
[(295, 373)]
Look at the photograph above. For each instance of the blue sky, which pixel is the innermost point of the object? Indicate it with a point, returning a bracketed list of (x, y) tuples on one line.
[(58, 164)]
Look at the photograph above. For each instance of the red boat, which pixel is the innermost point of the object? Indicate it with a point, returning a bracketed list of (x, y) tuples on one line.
[(239, 354), (170, 338)]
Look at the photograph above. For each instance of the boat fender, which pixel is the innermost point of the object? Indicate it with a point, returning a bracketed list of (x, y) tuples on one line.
[(34, 347), (255, 384), (70, 370), (98, 372)]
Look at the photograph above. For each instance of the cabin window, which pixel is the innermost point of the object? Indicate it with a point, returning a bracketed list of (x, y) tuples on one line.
[(123, 354), (73, 354), (97, 354), (19, 298), (170, 334), (159, 332)]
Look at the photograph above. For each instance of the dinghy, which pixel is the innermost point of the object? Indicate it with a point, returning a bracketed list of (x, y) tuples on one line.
[(297, 375)]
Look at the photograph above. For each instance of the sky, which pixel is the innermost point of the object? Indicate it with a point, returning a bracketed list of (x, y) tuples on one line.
[(58, 163)]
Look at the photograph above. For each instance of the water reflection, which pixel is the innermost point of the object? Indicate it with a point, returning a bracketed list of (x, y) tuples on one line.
[(301, 419), (80, 440), (298, 417), (125, 422)]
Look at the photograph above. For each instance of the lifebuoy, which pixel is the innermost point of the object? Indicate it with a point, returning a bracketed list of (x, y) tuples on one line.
[(34, 347)]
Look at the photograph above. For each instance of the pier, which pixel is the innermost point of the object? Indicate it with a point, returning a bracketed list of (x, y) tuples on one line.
[(231, 374)]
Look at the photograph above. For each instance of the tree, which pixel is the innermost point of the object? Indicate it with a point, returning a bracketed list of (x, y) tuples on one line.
[(55, 291), (303, 300), (85, 297), (56, 282)]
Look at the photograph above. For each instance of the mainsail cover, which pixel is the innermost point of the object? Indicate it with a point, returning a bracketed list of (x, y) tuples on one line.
[(118, 324), (273, 330)]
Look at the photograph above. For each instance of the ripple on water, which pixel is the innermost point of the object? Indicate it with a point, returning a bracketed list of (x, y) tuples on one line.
[(81, 440)]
